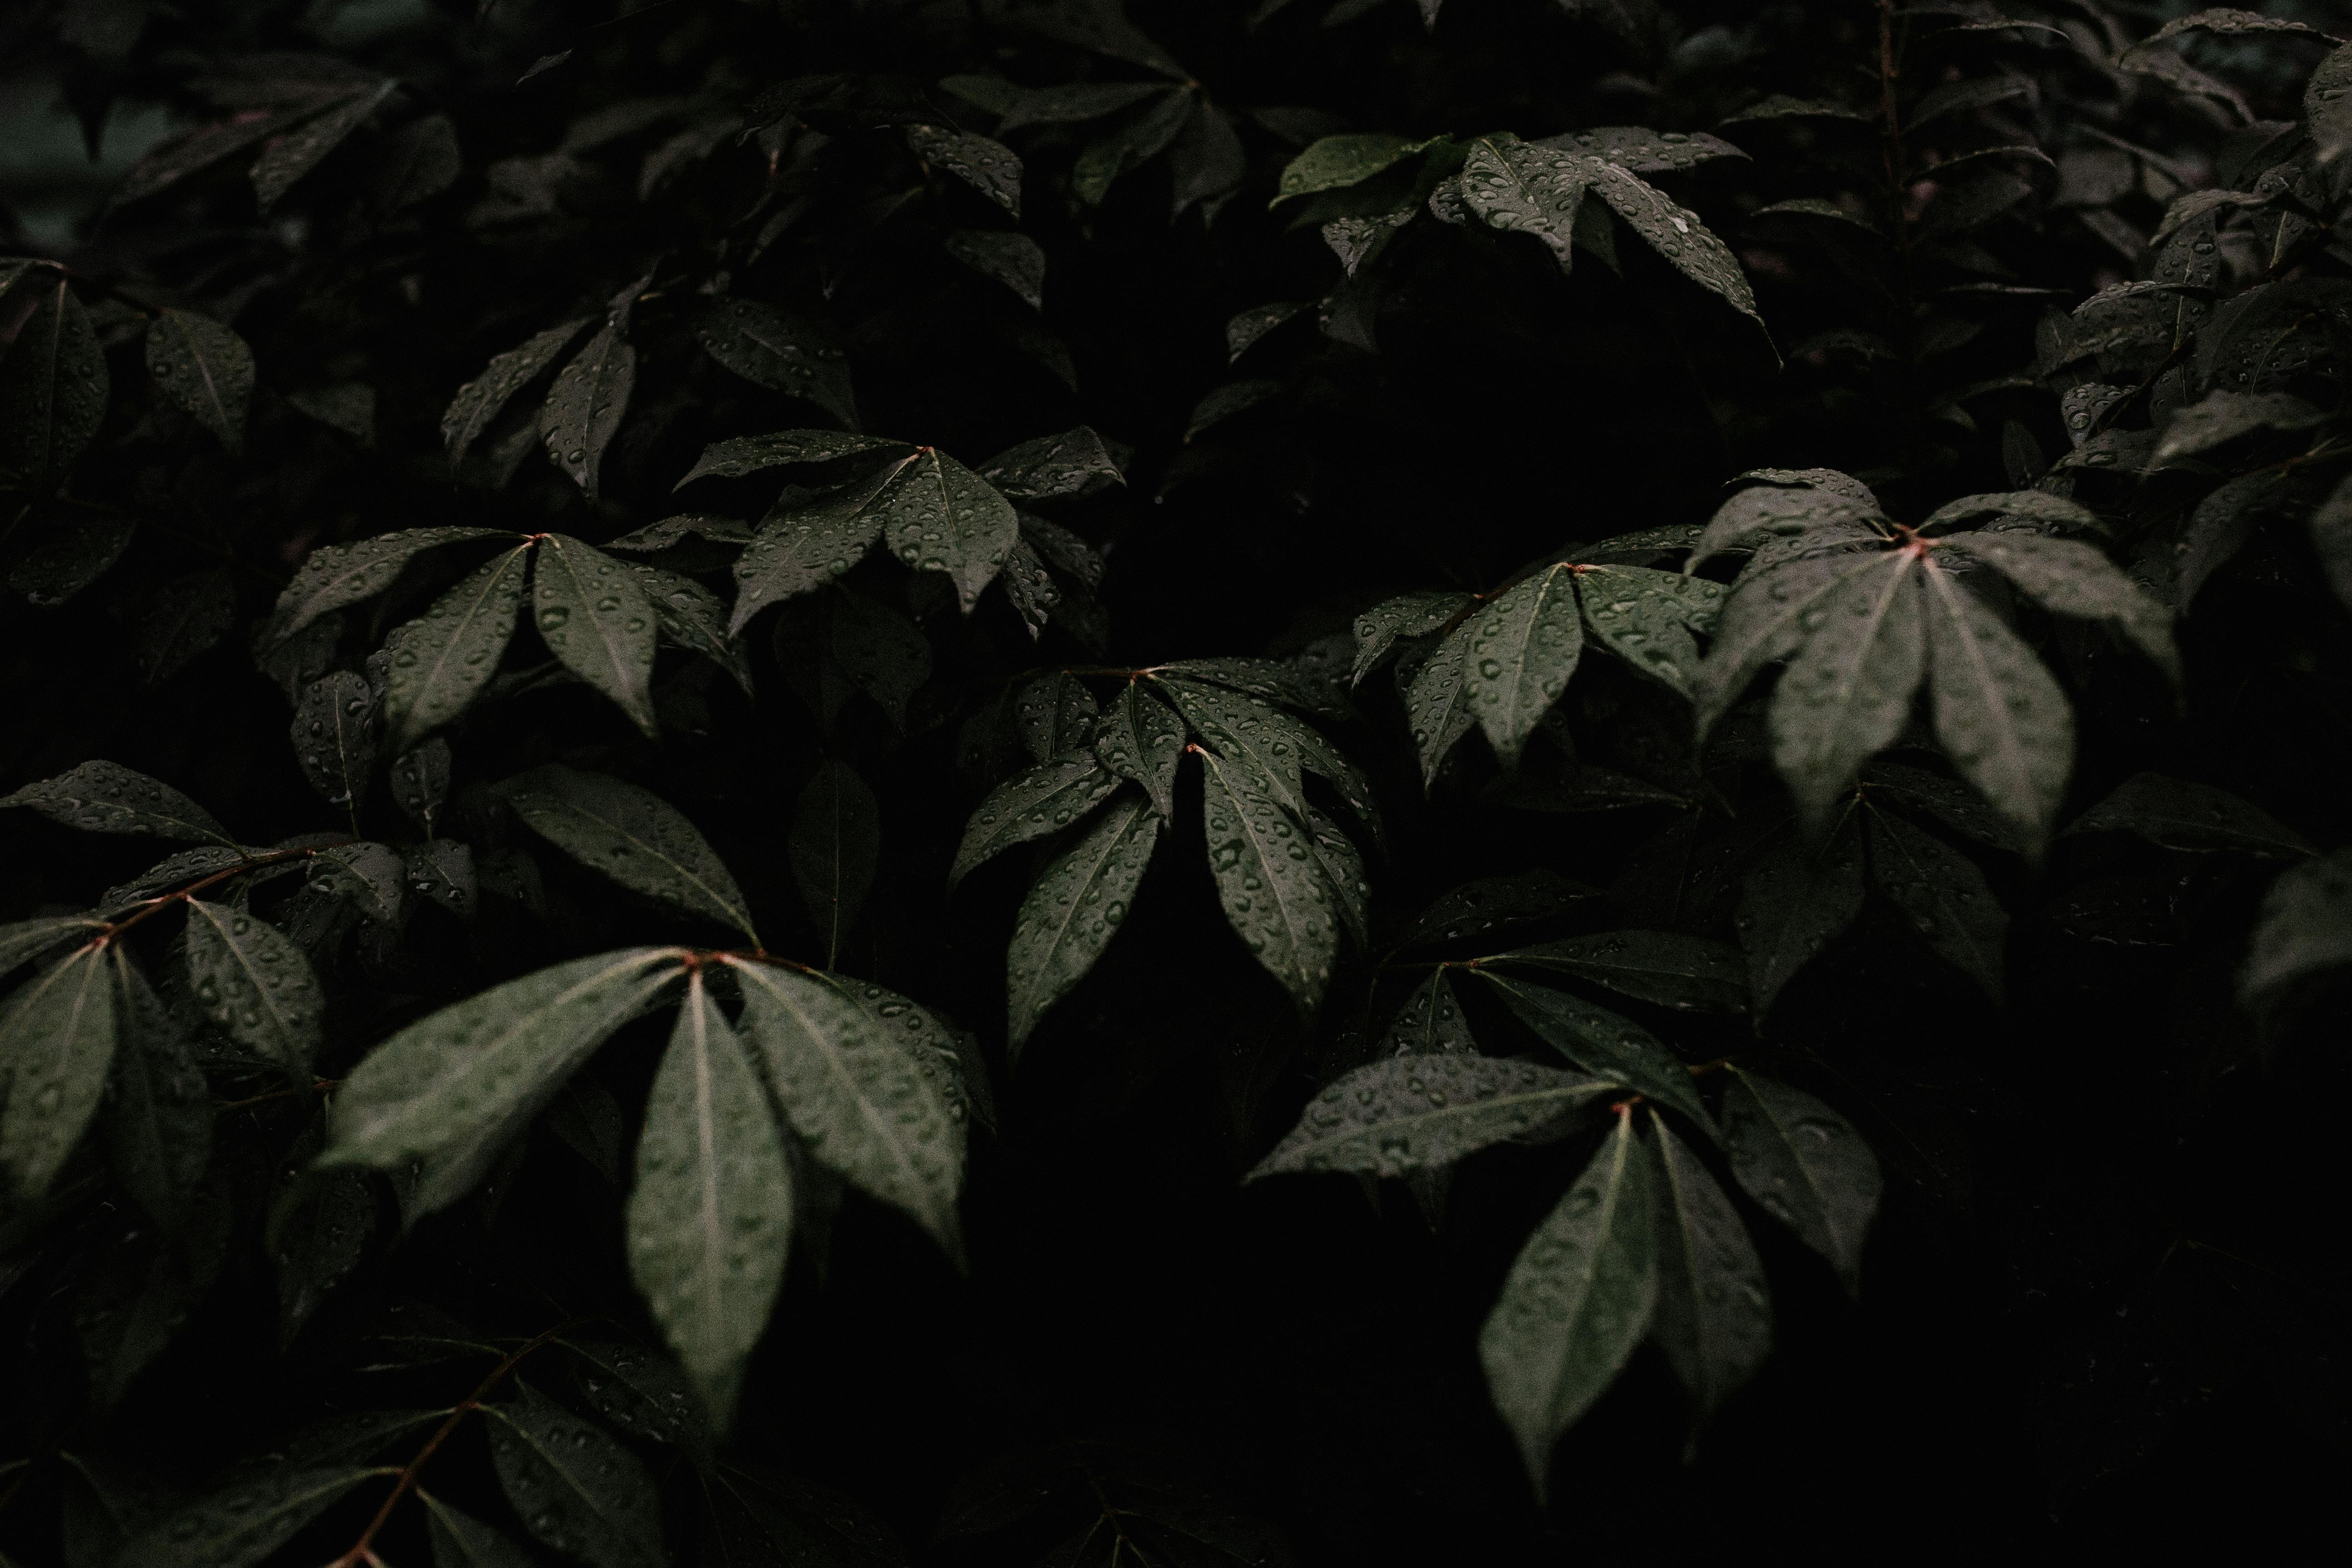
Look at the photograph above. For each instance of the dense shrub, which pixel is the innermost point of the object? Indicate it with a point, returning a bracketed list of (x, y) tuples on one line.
[(1716, 636)]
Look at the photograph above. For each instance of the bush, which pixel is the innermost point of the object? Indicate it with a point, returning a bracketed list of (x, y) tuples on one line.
[(1676, 628)]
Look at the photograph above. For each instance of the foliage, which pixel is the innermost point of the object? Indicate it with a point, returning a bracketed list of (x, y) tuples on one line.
[(1694, 659)]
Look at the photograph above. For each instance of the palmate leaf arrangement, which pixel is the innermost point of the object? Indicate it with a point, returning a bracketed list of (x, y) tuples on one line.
[(1911, 757)]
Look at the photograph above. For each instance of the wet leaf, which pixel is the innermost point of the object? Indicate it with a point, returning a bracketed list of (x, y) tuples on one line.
[(988, 166), (1847, 694), (780, 351), (60, 567), (420, 781), (1713, 1317), (334, 737), (53, 389), (939, 516), (446, 1094), (866, 1106), (2071, 578), (1943, 895), (1522, 649), (1336, 161), (1690, 974), (1272, 889), (592, 615), (371, 876), (205, 369), (1805, 1165), (1074, 908), (25, 941), (584, 408), (479, 401), (1522, 187), (1422, 1112), (692, 616), (807, 546), (2178, 815), (1075, 462), (290, 155), (441, 662), (743, 455), (1616, 1049), (159, 1114), (1014, 260), (107, 797), (1794, 901), (1430, 1022), (883, 653), (1408, 616), (631, 836), (461, 1541), (711, 1216), (1130, 145), (254, 985), (1030, 805), (1646, 618), (1141, 739), (2001, 717), (1577, 1300), (573, 1486), (57, 1039), (335, 576), (241, 1526)]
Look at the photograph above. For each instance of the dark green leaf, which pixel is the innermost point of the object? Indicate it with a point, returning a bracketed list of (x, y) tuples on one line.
[(205, 369), (107, 797), (1419, 1112), (1847, 694), (692, 617), (2178, 815), (1072, 910), (160, 1113), (27, 940), (62, 566), (1142, 137), (1075, 462), (711, 1216), (239, 1527), (1943, 895), (809, 545), (53, 387), (882, 652), (334, 733), (1517, 185), (254, 985), (1620, 1051), (631, 836), (1577, 1300), (461, 1541), (441, 662), (780, 351), (295, 152), (480, 401), (1646, 618), (1140, 738), (1409, 616), (575, 1487), (1057, 714), (1030, 805), (371, 876), (336, 575), (989, 167), (939, 516), (584, 408), (1714, 1318), (835, 843), (1522, 649), (58, 1038), (450, 1091), (1796, 900), (1805, 1165), (2001, 717), (2074, 579), (2305, 932), (752, 454), (1342, 161), (1688, 973), (876, 1110), (1430, 1022), (1269, 881), (593, 616), (1014, 260)]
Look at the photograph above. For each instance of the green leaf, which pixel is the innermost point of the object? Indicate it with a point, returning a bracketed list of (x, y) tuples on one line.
[(1420, 1112), (1014, 260), (2305, 933), (1437, 703), (804, 548), (1072, 910), (876, 1110), (988, 166), (480, 401), (441, 662), (1614, 1047), (239, 1527), (1140, 738), (295, 152), (159, 1114), (1407, 615), (205, 369), (1522, 649), (336, 575), (639, 1390), (254, 985), (420, 781), (107, 797), (2177, 815), (461, 1541), (1805, 1165), (1071, 103), (574, 1485), (675, 531), (1130, 145), (334, 736), (1676, 233), (70, 561), (584, 408), (1269, 881), (752, 454), (2220, 527), (27, 939), (1075, 462), (711, 1217), (2225, 415), (453, 1088), (1517, 185), (371, 876), (1430, 1022), (942, 517), (1577, 1300), (1999, 715), (1715, 1317), (594, 617), (1943, 895), (631, 836), (1276, 683), (58, 1034), (2071, 578), (1646, 618), (1796, 900), (779, 351), (884, 654), (53, 390), (835, 843), (1848, 692), (692, 617), (1342, 865), (1030, 805), (1251, 733), (1948, 802), (1811, 504), (1057, 713), (1336, 161), (1687, 973)]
